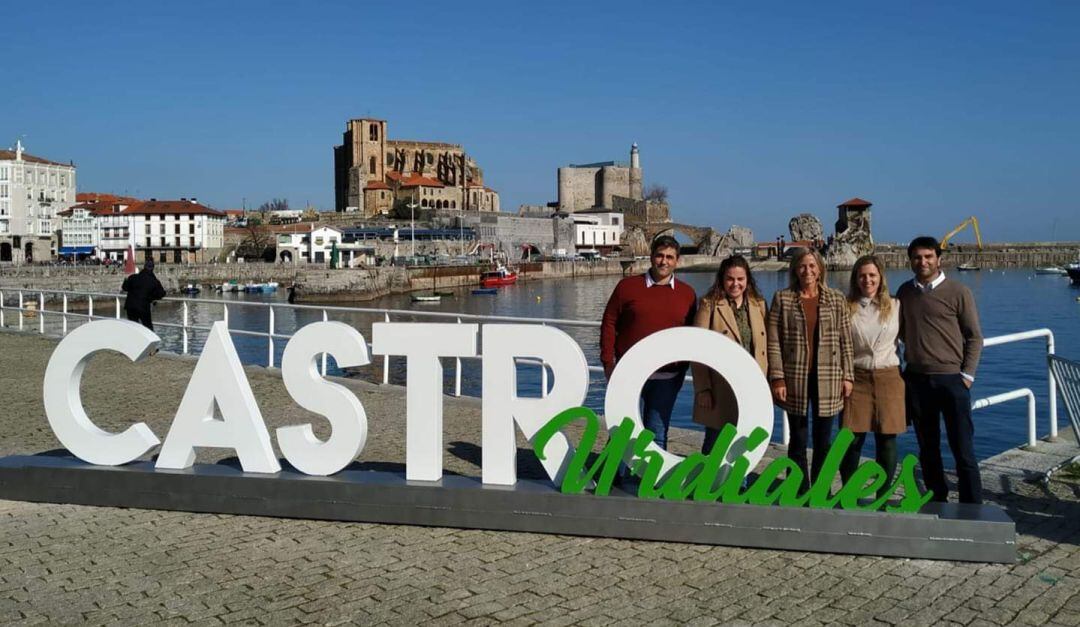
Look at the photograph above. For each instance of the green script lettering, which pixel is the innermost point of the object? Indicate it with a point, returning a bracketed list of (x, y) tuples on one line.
[(608, 459), (696, 476)]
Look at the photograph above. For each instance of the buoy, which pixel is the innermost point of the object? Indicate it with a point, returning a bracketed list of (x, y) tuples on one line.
[(538, 298)]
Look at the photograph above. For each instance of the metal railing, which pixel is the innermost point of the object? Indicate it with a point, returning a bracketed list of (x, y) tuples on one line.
[(186, 328)]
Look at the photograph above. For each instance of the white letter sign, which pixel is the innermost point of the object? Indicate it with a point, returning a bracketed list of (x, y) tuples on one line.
[(63, 400), (502, 408), (703, 346), (348, 422), (219, 381), (423, 343)]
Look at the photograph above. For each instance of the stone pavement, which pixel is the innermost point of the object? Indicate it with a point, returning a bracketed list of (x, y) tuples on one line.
[(71, 564)]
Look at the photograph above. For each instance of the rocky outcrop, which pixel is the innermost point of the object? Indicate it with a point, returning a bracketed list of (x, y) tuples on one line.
[(851, 241), (806, 227), (635, 241), (723, 244)]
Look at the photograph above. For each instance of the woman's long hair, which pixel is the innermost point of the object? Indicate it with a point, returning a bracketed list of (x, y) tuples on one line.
[(793, 273), (881, 299), (735, 261)]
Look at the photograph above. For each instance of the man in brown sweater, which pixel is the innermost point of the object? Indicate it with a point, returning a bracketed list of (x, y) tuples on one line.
[(939, 326)]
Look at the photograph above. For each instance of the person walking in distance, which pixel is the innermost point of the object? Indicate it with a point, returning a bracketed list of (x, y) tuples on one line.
[(939, 326), (639, 306), (142, 290), (877, 402), (734, 308), (810, 358)]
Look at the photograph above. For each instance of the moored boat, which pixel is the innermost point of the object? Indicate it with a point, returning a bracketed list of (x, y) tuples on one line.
[(1074, 273), (426, 298), (190, 289), (1051, 270), (499, 276), (968, 267), (485, 291)]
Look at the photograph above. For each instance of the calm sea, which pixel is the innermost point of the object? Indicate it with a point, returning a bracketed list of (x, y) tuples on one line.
[(1009, 301)]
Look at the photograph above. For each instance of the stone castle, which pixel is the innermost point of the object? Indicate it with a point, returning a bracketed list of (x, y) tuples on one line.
[(374, 174), (595, 185)]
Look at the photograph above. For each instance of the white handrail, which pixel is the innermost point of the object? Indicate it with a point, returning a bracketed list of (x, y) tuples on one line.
[(1052, 383), (1009, 396)]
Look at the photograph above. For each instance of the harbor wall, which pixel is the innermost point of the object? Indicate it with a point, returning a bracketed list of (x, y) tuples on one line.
[(1033, 255)]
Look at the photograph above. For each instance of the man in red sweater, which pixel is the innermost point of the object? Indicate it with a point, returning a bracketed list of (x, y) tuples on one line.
[(639, 306)]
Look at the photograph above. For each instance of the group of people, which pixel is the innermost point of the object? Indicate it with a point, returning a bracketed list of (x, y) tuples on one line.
[(831, 359)]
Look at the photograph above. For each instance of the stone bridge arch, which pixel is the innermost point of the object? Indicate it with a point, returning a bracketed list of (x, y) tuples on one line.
[(694, 233)]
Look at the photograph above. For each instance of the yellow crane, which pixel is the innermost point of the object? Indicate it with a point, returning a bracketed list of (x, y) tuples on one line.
[(974, 226)]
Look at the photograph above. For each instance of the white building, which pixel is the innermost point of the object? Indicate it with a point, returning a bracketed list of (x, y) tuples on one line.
[(79, 233), (32, 191), (176, 231), (316, 245), (597, 232)]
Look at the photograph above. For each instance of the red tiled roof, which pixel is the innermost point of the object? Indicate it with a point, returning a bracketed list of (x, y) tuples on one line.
[(9, 155), (102, 208), (171, 207), (855, 202), (419, 180), (96, 197), (393, 175), (376, 185)]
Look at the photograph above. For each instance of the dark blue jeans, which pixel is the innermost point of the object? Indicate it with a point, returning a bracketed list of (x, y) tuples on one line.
[(657, 402), (931, 398), (810, 428)]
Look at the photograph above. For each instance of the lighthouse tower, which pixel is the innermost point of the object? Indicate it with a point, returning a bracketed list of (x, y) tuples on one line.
[(636, 191)]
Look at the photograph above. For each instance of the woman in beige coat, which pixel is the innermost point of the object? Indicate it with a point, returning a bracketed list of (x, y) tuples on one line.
[(734, 308)]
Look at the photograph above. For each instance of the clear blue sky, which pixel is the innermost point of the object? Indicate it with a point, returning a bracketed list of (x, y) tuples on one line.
[(747, 112)]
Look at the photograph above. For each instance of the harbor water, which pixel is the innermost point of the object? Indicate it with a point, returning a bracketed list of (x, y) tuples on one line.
[(1009, 301)]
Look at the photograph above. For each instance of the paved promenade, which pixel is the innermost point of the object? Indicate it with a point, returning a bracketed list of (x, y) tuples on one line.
[(71, 564)]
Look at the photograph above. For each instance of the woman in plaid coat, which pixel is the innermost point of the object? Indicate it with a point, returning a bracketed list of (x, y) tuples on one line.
[(810, 357)]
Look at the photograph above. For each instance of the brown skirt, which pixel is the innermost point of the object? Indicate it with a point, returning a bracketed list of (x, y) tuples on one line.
[(876, 403)]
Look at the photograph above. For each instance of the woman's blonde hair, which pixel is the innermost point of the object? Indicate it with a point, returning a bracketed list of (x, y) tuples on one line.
[(793, 272), (882, 299)]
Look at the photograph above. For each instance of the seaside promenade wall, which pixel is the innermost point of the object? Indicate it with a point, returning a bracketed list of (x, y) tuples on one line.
[(316, 283)]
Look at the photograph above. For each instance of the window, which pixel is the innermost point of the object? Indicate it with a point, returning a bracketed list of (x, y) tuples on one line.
[(148, 231), (389, 159), (191, 228), (373, 132), (3, 174), (371, 165), (4, 191), (453, 204), (177, 229)]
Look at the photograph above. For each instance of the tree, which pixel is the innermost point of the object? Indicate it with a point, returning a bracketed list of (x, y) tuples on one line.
[(277, 204), (257, 240), (657, 192)]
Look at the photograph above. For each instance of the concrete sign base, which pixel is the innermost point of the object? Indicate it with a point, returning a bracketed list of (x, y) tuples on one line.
[(940, 531)]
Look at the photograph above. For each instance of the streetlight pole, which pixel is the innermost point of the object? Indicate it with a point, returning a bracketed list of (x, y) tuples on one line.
[(412, 228)]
